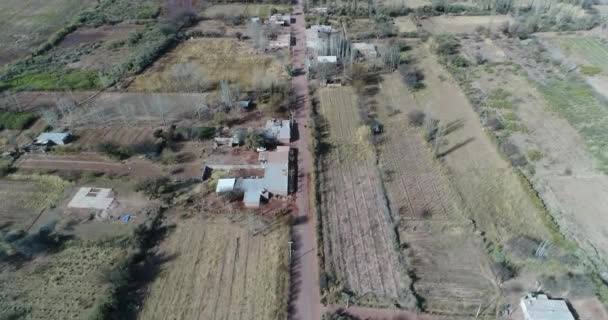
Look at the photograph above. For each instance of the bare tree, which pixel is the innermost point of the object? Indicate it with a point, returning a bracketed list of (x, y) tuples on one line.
[(50, 117), (201, 107), (226, 94), (158, 106), (189, 77), (66, 105)]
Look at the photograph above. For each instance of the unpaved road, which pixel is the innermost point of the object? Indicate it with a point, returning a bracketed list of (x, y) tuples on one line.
[(305, 291)]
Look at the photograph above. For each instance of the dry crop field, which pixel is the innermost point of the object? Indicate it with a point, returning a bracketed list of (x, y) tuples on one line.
[(90, 137), (358, 234), (452, 269), (218, 59), (463, 24), (23, 197), (64, 285), (405, 24), (221, 269), (248, 10), (27, 24)]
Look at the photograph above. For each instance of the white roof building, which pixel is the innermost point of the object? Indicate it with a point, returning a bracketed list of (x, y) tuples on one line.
[(57, 138), (225, 185), (327, 59), (540, 307), (92, 198)]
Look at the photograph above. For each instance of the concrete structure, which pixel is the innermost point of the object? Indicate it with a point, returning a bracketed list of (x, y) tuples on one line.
[(282, 41), (225, 185), (280, 19), (321, 10), (540, 307), (327, 59), (55, 138), (93, 198), (278, 131), (367, 50)]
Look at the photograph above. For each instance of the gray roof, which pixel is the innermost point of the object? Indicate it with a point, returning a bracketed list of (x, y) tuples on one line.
[(54, 137), (278, 129), (276, 178), (543, 308)]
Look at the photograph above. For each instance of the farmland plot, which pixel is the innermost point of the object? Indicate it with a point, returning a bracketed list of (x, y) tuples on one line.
[(463, 24), (587, 50), (217, 59), (23, 197), (448, 258), (64, 285), (222, 270), (358, 235), (220, 11)]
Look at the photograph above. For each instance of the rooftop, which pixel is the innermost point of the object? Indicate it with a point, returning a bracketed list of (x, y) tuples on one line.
[(92, 198), (327, 59), (278, 129), (540, 307), (54, 137)]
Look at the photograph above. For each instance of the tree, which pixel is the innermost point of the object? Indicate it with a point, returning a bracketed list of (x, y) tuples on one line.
[(50, 117), (226, 94), (254, 140), (220, 118)]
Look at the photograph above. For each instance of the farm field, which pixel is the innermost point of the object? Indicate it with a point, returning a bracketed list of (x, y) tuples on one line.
[(585, 50), (463, 24), (64, 285), (242, 9), (23, 198), (569, 172), (27, 24), (358, 234), (122, 135), (453, 273), (221, 269), (218, 59), (492, 191)]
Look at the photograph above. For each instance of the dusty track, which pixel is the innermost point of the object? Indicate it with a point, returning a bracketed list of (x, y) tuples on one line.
[(305, 292)]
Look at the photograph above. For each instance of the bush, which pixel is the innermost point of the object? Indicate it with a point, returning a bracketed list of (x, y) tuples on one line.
[(416, 118), (16, 120), (446, 44), (153, 186), (115, 150), (590, 70), (413, 77)]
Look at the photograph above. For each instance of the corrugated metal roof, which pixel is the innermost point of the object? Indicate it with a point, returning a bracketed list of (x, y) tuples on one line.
[(55, 137)]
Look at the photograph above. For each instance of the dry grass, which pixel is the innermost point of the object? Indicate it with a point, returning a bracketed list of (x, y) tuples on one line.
[(220, 59), (64, 285), (221, 269), (405, 24), (22, 197)]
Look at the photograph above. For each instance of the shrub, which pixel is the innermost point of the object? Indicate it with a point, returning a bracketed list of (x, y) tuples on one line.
[(413, 77), (115, 150), (446, 44), (416, 118), (153, 186), (590, 70), (16, 120), (535, 155)]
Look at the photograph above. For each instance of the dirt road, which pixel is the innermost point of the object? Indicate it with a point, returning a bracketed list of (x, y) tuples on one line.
[(305, 291)]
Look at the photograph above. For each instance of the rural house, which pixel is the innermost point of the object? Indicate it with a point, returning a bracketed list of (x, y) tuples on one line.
[(53, 138), (274, 182), (99, 199), (278, 131), (540, 307)]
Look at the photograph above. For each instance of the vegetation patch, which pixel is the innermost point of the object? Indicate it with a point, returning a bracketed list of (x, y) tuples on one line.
[(587, 112), (16, 120)]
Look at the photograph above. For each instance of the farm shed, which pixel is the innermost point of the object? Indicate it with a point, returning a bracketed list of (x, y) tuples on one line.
[(54, 138), (540, 307), (327, 59), (225, 185), (238, 137), (245, 104), (278, 130)]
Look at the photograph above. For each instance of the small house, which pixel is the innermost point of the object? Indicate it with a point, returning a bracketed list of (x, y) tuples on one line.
[(327, 59), (225, 185), (53, 138), (540, 307)]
